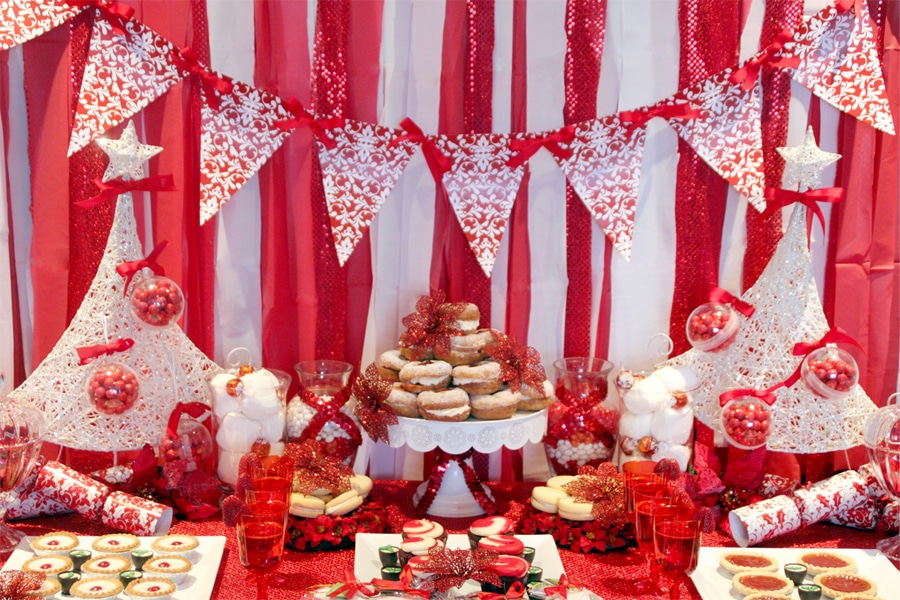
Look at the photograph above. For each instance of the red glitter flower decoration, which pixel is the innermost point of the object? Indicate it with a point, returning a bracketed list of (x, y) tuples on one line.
[(602, 486), (315, 469), (452, 567), (519, 365), (371, 410), (14, 584), (431, 326)]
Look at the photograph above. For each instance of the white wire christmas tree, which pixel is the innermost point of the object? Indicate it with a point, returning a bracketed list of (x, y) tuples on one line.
[(169, 367)]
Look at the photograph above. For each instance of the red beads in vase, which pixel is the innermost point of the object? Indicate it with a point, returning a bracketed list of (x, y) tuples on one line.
[(112, 387), (157, 301)]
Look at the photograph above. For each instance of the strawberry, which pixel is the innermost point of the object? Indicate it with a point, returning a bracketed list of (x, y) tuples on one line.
[(233, 506)]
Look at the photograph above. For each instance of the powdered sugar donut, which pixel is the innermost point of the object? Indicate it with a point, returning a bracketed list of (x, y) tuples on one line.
[(646, 395), (420, 376), (403, 402), (389, 365), (482, 377), (470, 318), (450, 404), (672, 424), (537, 399), (466, 349), (501, 405)]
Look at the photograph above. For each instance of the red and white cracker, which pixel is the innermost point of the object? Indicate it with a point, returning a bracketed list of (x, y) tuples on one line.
[(136, 515), (75, 490)]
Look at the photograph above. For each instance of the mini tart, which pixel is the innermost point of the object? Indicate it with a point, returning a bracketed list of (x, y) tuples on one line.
[(49, 587), (98, 587), (50, 565), (823, 561), (757, 581), (107, 565), (174, 568), (57, 542), (837, 584), (857, 597), (738, 561), (151, 587), (767, 596), (115, 543), (175, 543)]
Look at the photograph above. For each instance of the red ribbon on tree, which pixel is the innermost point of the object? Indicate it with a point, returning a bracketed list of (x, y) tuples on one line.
[(213, 85), (748, 74), (129, 269), (303, 118), (527, 147), (768, 396), (835, 335), (777, 199), (721, 296), (116, 13), (437, 162), (88, 353), (441, 462), (637, 118), (329, 409), (193, 409), (118, 186)]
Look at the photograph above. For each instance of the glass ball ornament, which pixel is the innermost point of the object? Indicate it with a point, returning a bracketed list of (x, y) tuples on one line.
[(112, 387), (22, 430), (192, 443), (712, 327), (157, 301), (746, 422), (881, 436), (829, 372)]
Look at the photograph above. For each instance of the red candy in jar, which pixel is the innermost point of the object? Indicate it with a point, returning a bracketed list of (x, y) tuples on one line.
[(157, 301), (113, 388), (192, 442), (746, 422), (712, 327), (829, 372)]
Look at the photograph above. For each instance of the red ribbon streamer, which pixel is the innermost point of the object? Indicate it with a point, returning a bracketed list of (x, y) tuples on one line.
[(399, 587), (194, 409), (442, 461), (350, 587), (88, 353), (116, 13), (835, 335), (777, 199), (213, 85), (748, 74), (303, 118), (721, 296), (767, 396), (561, 589), (329, 410), (638, 118), (129, 269), (118, 186), (437, 161), (526, 148)]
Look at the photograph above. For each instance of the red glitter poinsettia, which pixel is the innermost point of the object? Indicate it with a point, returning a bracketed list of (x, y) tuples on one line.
[(602, 486), (314, 469), (577, 536), (452, 567), (331, 533), (431, 326), (519, 365), (371, 410), (15, 584)]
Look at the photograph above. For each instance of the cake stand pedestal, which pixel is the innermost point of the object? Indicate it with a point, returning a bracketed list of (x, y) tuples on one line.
[(454, 488)]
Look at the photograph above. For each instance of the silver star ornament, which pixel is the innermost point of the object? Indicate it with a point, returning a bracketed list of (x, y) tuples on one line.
[(127, 155), (802, 164)]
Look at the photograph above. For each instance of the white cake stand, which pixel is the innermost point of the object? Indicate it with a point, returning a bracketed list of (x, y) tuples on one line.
[(454, 497)]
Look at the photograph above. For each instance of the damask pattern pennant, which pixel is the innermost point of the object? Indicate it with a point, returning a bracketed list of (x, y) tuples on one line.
[(482, 189), (124, 73), (728, 135), (358, 174), (235, 141), (23, 20), (839, 63), (605, 169)]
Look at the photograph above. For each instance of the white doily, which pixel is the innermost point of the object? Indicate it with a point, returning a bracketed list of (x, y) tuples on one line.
[(457, 437), (170, 368), (788, 310)]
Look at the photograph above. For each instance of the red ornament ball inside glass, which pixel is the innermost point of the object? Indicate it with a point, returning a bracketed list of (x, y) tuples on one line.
[(192, 442), (712, 327), (113, 388), (746, 422), (157, 301), (829, 372)]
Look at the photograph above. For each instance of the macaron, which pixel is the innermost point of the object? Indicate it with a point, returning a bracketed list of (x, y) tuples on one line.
[(546, 499), (343, 504), (575, 511), (306, 506)]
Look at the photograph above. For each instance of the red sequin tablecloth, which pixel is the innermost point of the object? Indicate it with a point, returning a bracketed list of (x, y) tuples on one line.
[(610, 575)]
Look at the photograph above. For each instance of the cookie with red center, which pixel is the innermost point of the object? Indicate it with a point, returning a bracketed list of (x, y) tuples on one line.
[(502, 544), (115, 543), (156, 588), (173, 568), (739, 561), (56, 542), (756, 581), (822, 561), (97, 588), (48, 565), (175, 543), (107, 565), (838, 584)]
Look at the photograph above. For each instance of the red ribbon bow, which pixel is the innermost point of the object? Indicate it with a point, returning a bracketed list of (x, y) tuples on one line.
[(721, 296), (116, 13), (129, 269), (303, 118), (118, 186), (329, 409), (768, 396), (748, 74), (561, 589), (350, 587), (194, 409), (88, 353), (398, 587), (843, 6), (516, 590), (437, 161), (637, 118), (213, 85), (777, 199), (835, 335), (527, 147)]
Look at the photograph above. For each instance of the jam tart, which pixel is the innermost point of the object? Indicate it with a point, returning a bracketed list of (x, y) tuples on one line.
[(56, 542), (175, 543), (838, 584), (115, 543), (739, 561), (826, 561), (105, 565), (48, 565), (156, 588), (97, 588), (767, 596), (752, 582), (174, 568), (48, 588)]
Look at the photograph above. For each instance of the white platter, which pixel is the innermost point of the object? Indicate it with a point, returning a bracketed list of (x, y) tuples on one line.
[(367, 565), (714, 583), (198, 585)]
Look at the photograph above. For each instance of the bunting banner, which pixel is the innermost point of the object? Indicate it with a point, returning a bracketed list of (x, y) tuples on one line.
[(125, 71), (235, 141), (358, 174), (839, 63), (605, 170), (482, 189), (23, 20)]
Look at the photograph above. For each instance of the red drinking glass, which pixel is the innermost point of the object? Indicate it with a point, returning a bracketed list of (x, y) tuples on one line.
[(676, 549), (260, 538)]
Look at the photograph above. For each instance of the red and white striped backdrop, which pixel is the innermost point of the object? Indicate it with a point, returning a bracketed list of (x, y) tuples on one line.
[(262, 274)]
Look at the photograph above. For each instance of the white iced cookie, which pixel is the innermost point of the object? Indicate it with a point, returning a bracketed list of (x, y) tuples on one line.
[(680, 452), (646, 395), (634, 426), (672, 424), (237, 433)]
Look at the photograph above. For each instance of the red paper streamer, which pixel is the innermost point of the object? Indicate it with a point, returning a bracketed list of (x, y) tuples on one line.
[(115, 187)]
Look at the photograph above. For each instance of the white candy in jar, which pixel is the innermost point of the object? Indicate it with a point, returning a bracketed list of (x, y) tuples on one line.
[(229, 466), (678, 378), (672, 424), (237, 433), (299, 416), (580, 454), (680, 452), (646, 395), (634, 426), (259, 397), (222, 402), (272, 430)]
